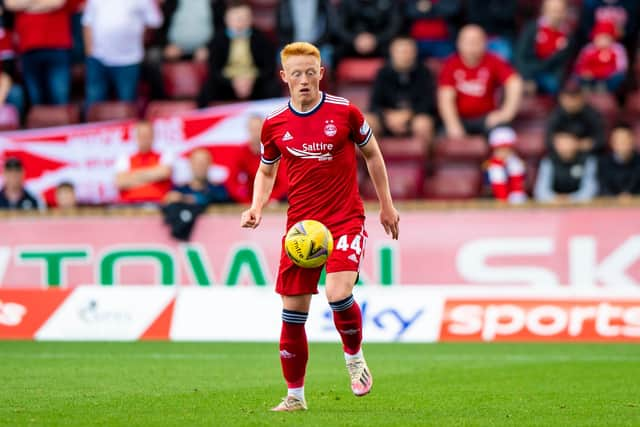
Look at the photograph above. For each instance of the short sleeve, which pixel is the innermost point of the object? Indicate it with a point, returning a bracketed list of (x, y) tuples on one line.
[(502, 69), (152, 14), (360, 130), (122, 164), (88, 16), (269, 151), (445, 79)]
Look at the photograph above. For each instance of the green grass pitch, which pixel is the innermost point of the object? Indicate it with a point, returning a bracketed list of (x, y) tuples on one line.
[(221, 384)]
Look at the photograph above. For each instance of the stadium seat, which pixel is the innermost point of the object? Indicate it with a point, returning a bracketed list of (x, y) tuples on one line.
[(606, 104), (403, 148), (183, 80), (633, 104), (434, 65), (454, 181), (531, 143), (358, 70), (535, 107), (470, 148), (9, 117), (160, 109), (42, 116), (405, 180), (112, 110), (358, 94)]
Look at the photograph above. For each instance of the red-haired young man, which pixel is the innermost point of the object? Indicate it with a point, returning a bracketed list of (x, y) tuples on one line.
[(316, 136)]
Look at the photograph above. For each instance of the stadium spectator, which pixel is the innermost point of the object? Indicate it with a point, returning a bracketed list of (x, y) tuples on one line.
[(114, 45), (144, 177), (403, 97), (13, 195), (306, 21), (365, 27), (433, 26), (66, 196), (468, 85), (619, 170), (543, 49), (43, 29), (10, 91), (602, 63), (187, 31), (574, 115), (244, 64), (498, 19), (625, 14), (505, 169), (566, 174), (199, 191), (243, 172)]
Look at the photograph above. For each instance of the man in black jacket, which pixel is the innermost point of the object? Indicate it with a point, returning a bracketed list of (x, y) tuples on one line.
[(543, 50), (574, 115), (619, 171), (365, 27), (13, 195), (403, 95), (243, 61)]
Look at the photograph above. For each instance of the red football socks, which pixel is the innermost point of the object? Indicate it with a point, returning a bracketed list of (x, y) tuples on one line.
[(348, 320), (294, 351)]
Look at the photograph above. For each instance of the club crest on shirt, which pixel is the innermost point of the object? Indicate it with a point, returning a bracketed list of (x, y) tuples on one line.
[(330, 129)]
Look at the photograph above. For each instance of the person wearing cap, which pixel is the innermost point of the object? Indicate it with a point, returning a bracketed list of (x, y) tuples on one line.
[(573, 114), (566, 174), (13, 195), (505, 169), (604, 61)]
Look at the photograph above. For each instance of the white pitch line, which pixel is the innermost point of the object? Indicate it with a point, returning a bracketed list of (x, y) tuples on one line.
[(514, 358)]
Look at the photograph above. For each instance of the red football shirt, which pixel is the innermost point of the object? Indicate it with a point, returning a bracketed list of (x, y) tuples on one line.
[(318, 148), (475, 87), (49, 30), (549, 40)]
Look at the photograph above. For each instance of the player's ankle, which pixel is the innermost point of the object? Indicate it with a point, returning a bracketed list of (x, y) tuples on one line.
[(352, 356), (297, 392)]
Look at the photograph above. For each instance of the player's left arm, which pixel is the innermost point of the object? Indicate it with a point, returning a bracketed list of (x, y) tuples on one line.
[(389, 217)]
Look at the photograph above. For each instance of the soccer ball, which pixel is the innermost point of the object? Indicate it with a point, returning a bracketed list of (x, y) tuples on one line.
[(308, 244)]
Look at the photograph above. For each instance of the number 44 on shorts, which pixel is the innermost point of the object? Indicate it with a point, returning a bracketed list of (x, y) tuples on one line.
[(343, 244)]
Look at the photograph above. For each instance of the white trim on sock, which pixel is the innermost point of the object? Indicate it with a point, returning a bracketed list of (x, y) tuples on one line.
[(297, 392), (358, 355)]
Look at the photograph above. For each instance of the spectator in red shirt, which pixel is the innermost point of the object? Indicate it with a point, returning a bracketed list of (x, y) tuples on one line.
[(10, 91), (505, 169), (144, 177), (43, 28), (243, 172), (468, 86), (543, 49), (603, 62)]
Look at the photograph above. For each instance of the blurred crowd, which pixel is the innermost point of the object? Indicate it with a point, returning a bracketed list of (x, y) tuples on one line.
[(511, 99)]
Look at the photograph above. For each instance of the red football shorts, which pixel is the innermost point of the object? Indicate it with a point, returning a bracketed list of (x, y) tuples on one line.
[(348, 251)]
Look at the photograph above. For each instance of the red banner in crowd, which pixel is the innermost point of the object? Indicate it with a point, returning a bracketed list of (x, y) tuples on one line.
[(85, 155), (538, 249)]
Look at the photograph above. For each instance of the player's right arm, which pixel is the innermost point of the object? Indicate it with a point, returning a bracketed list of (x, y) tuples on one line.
[(262, 187)]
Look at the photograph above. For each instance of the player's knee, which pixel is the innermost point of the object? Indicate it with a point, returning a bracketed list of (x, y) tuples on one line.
[(339, 292)]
